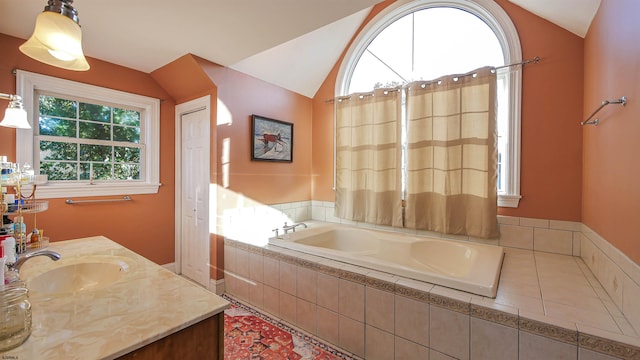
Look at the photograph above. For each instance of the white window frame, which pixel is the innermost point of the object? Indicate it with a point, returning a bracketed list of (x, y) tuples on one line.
[(498, 20), (28, 83)]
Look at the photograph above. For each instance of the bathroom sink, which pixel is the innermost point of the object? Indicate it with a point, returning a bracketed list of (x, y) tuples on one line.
[(79, 275)]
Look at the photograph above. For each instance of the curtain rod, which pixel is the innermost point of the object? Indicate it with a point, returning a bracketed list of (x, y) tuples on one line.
[(535, 60)]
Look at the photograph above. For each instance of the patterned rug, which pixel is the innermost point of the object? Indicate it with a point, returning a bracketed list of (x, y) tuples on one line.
[(249, 334)]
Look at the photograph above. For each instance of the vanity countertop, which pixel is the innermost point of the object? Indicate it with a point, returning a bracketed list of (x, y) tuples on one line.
[(148, 303)]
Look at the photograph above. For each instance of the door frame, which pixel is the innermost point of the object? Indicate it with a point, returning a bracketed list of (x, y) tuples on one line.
[(204, 104)]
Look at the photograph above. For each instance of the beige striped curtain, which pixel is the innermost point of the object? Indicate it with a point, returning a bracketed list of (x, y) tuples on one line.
[(368, 158), (451, 155)]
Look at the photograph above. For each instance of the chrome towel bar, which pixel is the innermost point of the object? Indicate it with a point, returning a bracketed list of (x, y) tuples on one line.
[(622, 100), (71, 202)]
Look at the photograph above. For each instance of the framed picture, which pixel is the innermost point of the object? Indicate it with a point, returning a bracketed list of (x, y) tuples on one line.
[(271, 140)]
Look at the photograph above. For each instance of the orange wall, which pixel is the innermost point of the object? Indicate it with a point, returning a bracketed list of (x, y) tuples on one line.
[(240, 96), (611, 174), (237, 96), (144, 225), (551, 110)]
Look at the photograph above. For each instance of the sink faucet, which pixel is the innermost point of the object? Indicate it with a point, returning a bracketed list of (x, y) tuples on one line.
[(18, 264), (292, 227)]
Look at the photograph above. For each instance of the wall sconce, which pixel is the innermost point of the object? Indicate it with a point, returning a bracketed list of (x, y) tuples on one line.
[(57, 38), (14, 116)]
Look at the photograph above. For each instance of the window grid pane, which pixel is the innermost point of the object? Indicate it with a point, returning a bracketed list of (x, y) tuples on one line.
[(79, 141)]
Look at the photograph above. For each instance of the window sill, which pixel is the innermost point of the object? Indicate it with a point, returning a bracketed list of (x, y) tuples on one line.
[(511, 201), (51, 191)]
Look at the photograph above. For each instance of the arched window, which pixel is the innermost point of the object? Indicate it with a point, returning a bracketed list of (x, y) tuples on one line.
[(427, 39)]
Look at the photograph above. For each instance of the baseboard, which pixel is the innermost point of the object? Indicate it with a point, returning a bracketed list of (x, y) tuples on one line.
[(216, 286), (170, 266)]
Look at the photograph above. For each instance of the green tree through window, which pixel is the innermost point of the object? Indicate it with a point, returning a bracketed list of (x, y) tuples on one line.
[(81, 140)]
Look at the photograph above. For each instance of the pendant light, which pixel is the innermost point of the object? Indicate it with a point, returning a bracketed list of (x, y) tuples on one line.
[(14, 116), (57, 38)]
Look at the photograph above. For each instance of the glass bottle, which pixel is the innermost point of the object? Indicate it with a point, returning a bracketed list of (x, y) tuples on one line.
[(15, 315)]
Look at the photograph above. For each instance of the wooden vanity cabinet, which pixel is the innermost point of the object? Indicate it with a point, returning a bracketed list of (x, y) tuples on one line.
[(203, 340)]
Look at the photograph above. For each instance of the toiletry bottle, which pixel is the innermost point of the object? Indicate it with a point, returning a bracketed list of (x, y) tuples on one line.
[(19, 228), (3, 260), (9, 248)]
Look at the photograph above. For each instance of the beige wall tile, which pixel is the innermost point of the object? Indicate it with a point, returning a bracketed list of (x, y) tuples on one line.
[(577, 237), (327, 325), (317, 213), (492, 341), (379, 344), (631, 303), (306, 316), (554, 241), (230, 283), (539, 223), (611, 278), (534, 347), (272, 300), (435, 355), (584, 354), (380, 309), (288, 278), (565, 225), (589, 254), (449, 332), (598, 319), (516, 236), (307, 286), (242, 263), (229, 258), (256, 294), (256, 267), (351, 300), (531, 304), (351, 335), (328, 290), (508, 220), (288, 307), (412, 320), (405, 349), (242, 288), (271, 272)]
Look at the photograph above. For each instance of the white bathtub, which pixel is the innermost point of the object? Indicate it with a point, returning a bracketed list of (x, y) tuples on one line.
[(465, 266)]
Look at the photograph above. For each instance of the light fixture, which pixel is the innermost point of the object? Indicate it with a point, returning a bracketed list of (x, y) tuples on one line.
[(15, 116), (57, 38)]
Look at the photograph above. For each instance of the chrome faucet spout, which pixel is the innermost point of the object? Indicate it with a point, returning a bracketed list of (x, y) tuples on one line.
[(18, 264), (292, 227)]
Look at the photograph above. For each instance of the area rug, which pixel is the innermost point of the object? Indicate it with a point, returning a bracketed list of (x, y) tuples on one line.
[(249, 334)]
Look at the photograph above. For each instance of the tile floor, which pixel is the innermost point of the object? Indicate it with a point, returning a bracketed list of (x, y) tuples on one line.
[(553, 287)]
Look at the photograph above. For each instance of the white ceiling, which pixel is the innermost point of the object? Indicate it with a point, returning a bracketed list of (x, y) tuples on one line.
[(290, 43), (573, 15)]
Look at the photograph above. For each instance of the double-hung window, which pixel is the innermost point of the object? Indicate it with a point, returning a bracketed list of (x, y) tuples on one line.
[(88, 140)]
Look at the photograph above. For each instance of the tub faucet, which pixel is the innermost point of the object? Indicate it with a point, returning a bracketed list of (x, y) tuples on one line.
[(18, 264), (292, 227)]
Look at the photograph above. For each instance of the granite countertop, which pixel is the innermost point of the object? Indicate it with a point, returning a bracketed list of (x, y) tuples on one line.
[(147, 303)]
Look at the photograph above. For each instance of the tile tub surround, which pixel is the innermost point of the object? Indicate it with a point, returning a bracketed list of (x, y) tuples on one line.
[(554, 236), (147, 304), (548, 306)]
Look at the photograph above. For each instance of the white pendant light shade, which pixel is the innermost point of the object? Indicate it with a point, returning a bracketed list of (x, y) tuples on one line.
[(57, 41)]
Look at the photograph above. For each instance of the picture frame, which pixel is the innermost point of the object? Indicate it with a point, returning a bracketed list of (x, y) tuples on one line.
[(271, 139)]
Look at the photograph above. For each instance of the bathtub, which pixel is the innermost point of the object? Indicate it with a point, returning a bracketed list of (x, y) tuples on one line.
[(466, 266)]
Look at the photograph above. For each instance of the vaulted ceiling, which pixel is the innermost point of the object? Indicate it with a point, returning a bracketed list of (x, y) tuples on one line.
[(290, 43)]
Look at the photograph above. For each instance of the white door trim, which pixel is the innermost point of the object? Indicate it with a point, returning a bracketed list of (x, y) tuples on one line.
[(203, 103)]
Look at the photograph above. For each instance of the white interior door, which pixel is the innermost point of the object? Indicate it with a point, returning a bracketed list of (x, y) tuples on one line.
[(194, 196)]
